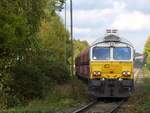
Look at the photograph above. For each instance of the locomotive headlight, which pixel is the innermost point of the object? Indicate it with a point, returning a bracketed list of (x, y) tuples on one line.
[(96, 73), (126, 73)]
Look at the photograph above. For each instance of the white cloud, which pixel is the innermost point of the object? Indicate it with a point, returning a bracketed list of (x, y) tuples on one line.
[(119, 5), (96, 17), (93, 17), (132, 21), (91, 4), (81, 30)]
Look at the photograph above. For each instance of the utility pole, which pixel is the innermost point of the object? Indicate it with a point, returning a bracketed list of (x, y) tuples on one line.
[(71, 30), (65, 55)]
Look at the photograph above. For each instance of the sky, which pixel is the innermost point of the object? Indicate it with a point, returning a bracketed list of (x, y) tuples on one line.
[(91, 18)]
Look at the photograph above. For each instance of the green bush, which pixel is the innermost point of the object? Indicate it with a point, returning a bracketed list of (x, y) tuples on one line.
[(31, 81), (60, 98), (58, 73), (7, 101), (148, 62), (27, 82)]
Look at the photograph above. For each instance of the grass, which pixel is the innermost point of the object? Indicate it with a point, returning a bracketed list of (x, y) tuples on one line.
[(144, 106), (59, 98)]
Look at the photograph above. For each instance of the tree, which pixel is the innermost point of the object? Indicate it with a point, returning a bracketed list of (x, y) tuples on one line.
[(55, 38), (79, 46), (20, 51), (147, 52)]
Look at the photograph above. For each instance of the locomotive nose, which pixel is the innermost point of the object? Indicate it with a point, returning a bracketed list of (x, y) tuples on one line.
[(112, 68)]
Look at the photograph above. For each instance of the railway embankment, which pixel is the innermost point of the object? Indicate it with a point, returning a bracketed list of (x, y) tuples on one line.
[(139, 102)]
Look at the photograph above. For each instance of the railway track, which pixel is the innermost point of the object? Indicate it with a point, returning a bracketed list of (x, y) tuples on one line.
[(98, 106)]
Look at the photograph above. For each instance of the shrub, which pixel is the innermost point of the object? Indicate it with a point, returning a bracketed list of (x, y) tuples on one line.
[(27, 82), (58, 73)]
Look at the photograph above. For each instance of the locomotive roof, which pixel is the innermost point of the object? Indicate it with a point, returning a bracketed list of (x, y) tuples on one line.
[(112, 38)]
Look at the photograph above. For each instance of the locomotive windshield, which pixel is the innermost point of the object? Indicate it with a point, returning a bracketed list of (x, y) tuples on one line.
[(101, 53), (122, 53)]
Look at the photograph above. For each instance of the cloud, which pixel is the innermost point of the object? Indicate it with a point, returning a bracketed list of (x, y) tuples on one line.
[(91, 4), (99, 4), (91, 34), (119, 5), (82, 30), (93, 17), (132, 21), (138, 38), (138, 5), (98, 17)]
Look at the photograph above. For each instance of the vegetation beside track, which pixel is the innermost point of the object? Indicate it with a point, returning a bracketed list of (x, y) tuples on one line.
[(34, 56), (139, 102), (145, 103), (59, 98)]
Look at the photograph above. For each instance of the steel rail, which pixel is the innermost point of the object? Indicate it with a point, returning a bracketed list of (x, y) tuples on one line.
[(90, 105), (85, 107), (117, 107)]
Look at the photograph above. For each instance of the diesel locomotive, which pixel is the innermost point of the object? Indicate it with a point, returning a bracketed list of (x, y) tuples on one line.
[(107, 66)]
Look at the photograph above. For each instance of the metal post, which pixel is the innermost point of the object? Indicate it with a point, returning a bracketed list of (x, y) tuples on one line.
[(65, 53), (71, 30)]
